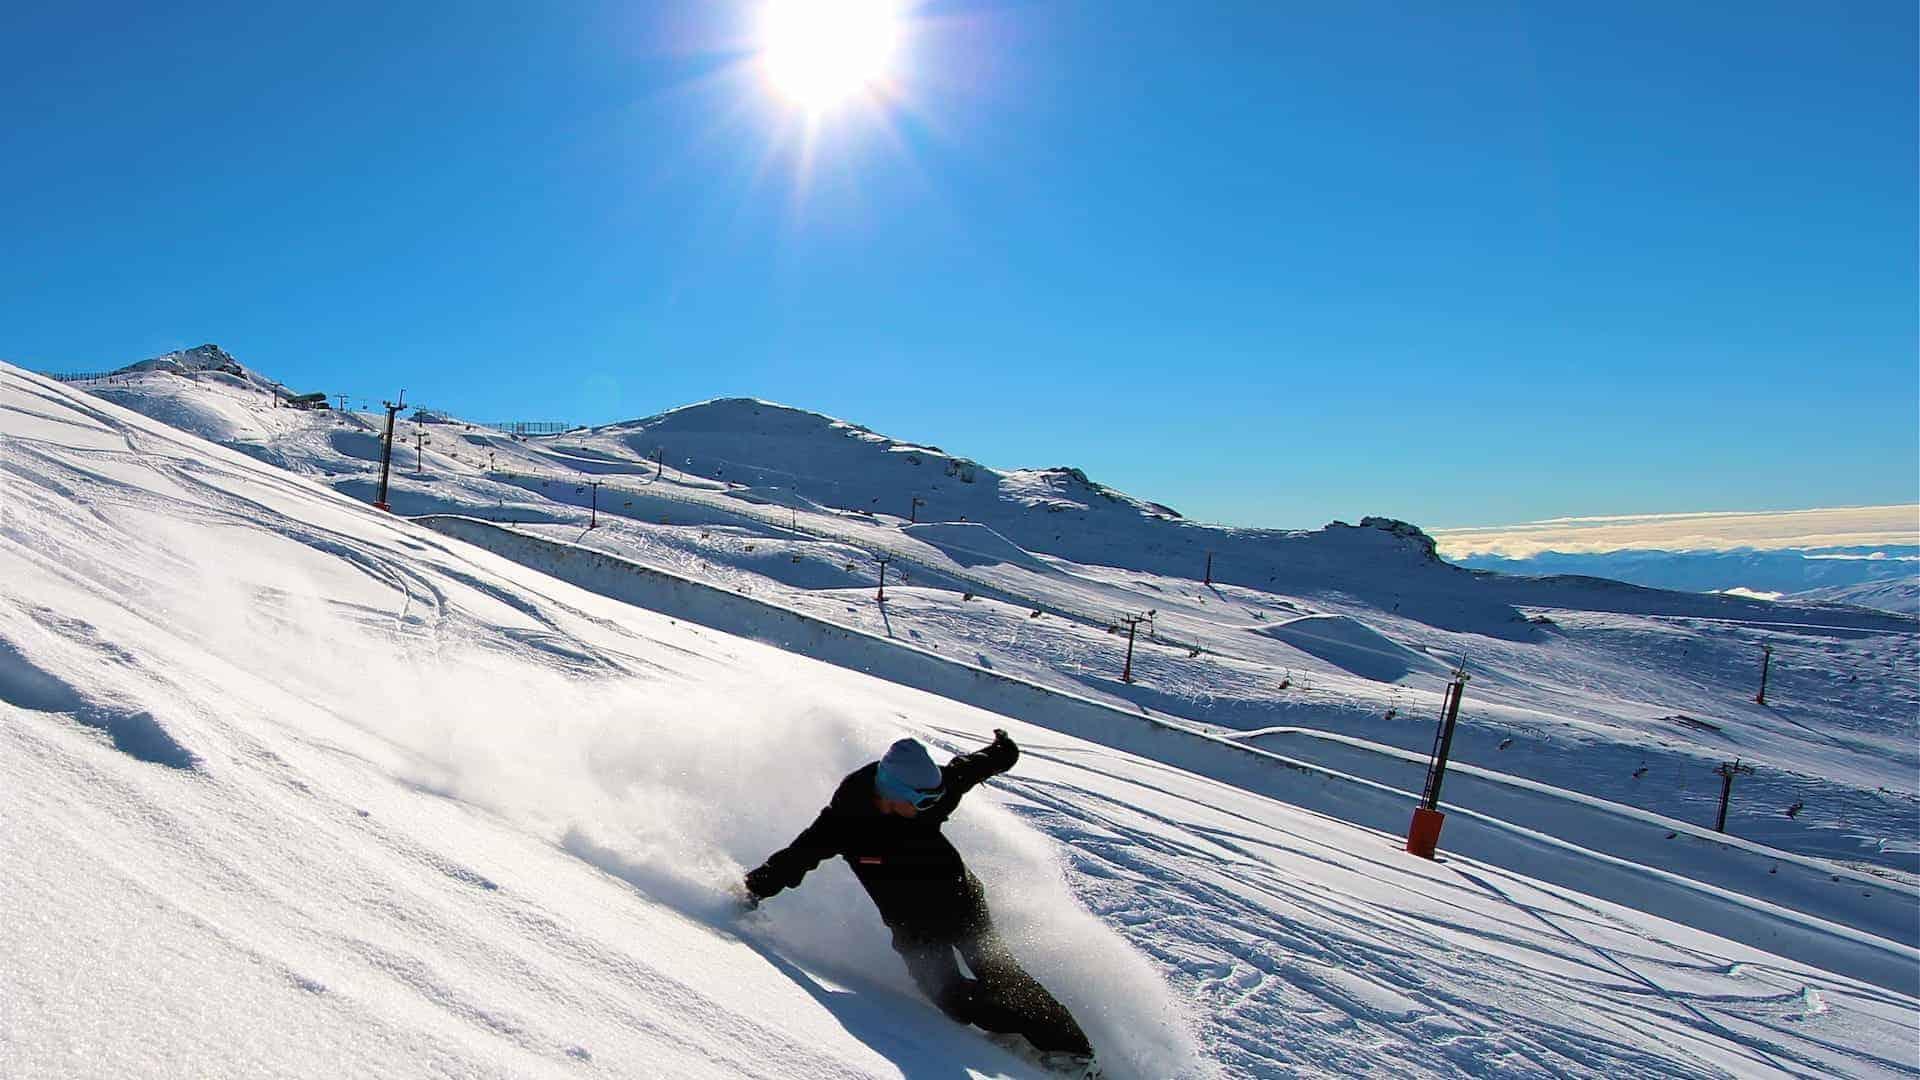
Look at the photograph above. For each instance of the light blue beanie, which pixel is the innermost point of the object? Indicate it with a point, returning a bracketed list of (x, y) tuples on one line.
[(907, 773)]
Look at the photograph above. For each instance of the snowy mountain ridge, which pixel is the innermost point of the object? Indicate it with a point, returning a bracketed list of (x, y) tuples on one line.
[(742, 414), (763, 446)]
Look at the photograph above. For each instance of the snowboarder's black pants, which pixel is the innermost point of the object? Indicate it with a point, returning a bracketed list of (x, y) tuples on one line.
[(1001, 996)]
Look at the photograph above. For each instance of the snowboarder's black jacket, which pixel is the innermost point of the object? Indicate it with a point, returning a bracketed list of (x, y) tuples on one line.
[(916, 878)]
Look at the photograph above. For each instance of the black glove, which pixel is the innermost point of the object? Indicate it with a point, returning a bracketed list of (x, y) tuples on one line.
[(760, 885), (1005, 753)]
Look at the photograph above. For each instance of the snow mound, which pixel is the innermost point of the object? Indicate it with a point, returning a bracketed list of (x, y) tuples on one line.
[(1064, 487), (213, 417), (1353, 646)]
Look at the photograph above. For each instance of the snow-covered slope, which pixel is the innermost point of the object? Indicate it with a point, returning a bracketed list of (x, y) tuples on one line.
[(296, 788), (1896, 594), (1630, 694)]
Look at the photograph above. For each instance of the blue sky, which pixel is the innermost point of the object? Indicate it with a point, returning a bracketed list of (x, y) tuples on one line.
[(1268, 263)]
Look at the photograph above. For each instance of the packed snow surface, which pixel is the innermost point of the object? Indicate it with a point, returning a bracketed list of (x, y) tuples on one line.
[(1353, 647), (298, 788)]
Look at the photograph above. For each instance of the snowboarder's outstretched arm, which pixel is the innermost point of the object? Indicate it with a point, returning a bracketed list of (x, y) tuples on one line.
[(967, 771), (817, 843)]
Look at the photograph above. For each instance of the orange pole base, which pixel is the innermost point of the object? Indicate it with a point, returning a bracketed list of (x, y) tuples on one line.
[(1424, 834)]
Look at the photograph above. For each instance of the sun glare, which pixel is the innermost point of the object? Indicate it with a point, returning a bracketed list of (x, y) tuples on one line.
[(821, 53)]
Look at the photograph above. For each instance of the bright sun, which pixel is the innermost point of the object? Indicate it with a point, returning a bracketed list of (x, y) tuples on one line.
[(820, 53)]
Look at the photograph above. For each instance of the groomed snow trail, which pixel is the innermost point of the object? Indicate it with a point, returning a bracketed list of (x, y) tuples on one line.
[(296, 789)]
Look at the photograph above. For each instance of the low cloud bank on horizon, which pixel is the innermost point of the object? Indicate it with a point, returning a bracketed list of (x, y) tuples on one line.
[(1850, 526)]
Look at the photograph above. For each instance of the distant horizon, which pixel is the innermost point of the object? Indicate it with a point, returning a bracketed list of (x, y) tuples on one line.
[(1589, 533), (1893, 525)]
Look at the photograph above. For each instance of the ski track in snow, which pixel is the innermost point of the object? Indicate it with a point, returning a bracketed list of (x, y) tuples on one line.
[(1300, 967)]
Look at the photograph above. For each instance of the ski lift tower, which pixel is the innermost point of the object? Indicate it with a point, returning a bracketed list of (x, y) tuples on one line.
[(386, 450), (1423, 835)]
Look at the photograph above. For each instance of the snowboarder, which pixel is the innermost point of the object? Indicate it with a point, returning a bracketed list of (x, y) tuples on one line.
[(885, 819)]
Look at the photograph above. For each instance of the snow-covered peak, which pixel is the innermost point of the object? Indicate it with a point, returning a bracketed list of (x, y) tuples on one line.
[(204, 363), (783, 453), (1405, 530), (750, 417), (208, 357)]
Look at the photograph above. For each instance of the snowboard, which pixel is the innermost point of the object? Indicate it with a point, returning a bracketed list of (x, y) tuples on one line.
[(1053, 1063), (747, 916)]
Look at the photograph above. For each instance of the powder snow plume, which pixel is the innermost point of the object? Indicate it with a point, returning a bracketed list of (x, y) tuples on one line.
[(678, 787)]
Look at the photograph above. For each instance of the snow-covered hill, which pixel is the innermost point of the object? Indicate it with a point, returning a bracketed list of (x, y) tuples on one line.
[(1634, 695), (1894, 594), (298, 788)]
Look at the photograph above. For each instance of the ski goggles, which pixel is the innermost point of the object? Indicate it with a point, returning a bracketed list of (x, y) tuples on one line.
[(918, 798)]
